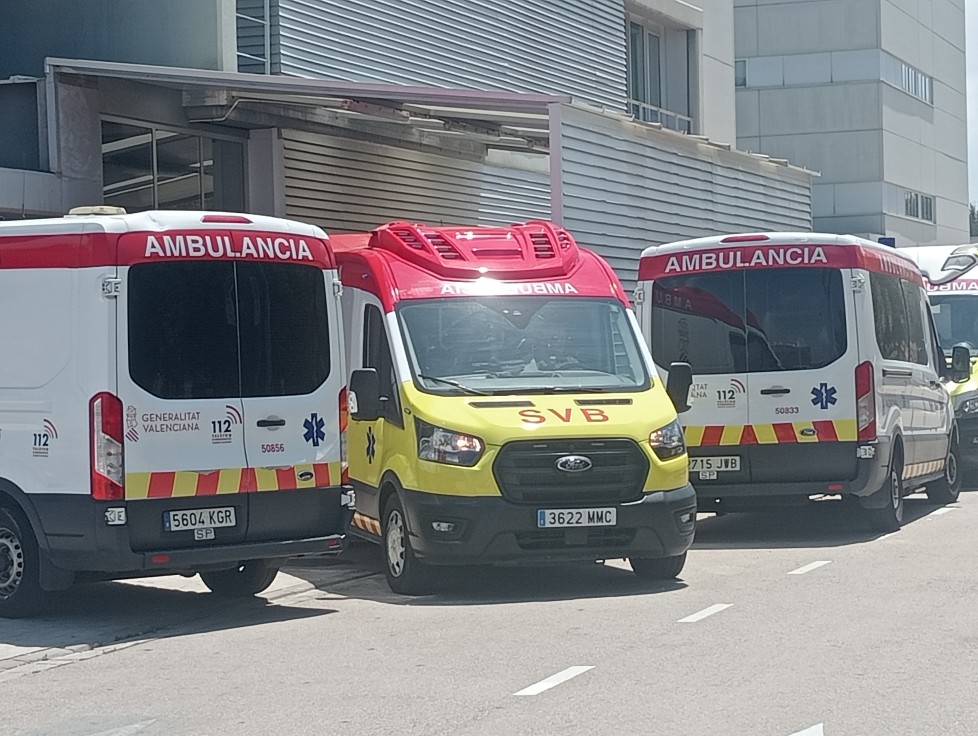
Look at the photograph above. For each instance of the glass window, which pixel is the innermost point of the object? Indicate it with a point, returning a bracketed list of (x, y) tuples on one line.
[(127, 166), (504, 344), (890, 317), (190, 322), (796, 319), (284, 328), (377, 354), (956, 319), (178, 166), (183, 341), (740, 73), (699, 319), (781, 319), (912, 295)]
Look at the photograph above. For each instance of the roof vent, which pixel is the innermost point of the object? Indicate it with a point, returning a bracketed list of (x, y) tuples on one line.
[(543, 247), (443, 247)]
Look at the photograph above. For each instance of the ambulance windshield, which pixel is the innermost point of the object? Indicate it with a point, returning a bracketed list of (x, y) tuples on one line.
[(503, 344), (777, 319), (956, 319)]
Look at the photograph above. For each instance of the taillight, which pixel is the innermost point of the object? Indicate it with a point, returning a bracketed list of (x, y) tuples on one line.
[(344, 420), (865, 402), (105, 421)]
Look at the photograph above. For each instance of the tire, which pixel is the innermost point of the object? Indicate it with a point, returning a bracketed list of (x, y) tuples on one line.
[(247, 579), (20, 583), (889, 518), (948, 488), (405, 573), (658, 568)]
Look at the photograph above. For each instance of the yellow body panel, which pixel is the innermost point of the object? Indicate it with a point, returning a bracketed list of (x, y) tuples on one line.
[(543, 416)]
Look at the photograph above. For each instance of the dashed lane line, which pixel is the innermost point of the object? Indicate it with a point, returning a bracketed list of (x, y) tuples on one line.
[(554, 680), (700, 615)]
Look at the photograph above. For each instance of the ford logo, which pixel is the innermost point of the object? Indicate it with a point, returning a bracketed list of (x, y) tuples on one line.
[(305, 475), (574, 463)]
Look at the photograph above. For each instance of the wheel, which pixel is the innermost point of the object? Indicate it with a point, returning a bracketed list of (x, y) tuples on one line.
[(247, 579), (889, 518), (658, 568), (405, 573), (20, 584), (948, 488)]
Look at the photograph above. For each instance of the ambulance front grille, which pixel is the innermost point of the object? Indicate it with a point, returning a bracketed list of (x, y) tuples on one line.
[(526, 472)]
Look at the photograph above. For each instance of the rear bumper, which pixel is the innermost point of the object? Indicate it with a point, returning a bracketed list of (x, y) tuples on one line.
[(870, 472), (493, 530), (76, 536)]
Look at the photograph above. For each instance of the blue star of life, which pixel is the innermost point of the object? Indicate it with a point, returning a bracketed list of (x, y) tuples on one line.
[(823, 395), (314, 429)]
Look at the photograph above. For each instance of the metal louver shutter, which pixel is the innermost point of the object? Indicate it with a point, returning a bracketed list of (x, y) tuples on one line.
[(348, 185)]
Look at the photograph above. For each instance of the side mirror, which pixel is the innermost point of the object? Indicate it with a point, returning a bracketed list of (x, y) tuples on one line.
[(677, 385), (960, 363), (365, 404)]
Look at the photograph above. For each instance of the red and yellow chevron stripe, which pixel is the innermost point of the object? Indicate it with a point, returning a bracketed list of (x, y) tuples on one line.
[(183, 483), (831, 430), (366, 523)]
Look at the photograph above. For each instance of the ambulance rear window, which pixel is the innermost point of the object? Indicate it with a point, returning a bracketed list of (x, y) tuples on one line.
[(763, 320), (190, 322)]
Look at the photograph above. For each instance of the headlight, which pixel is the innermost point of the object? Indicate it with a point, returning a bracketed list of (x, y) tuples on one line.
[(968, 406), (668, 441), (445, 446)]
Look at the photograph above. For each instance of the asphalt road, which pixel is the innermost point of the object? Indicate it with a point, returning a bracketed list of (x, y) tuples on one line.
[(795, 622)]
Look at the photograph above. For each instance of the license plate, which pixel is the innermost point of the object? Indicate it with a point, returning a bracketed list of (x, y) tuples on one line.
[(714, 464), (554, 518), (181, 521)]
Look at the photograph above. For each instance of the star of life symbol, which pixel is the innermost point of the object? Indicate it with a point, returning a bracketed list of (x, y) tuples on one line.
[(823, 395), (314, 429), (371, 444)]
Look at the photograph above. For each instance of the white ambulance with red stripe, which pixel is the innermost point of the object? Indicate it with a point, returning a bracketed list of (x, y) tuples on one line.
[(817, 369), (171, 400)]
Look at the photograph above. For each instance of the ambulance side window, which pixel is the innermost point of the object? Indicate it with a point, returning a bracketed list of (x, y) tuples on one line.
[(890, 316), (913, 296), (377, 354)]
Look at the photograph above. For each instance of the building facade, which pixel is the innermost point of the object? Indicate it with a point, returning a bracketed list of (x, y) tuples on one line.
[(870, 93), (616, 118)]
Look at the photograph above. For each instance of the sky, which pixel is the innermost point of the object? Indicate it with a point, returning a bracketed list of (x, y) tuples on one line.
[(971, 30)]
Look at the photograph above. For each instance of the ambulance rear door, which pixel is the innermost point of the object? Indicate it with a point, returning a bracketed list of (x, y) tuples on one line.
[(179, 383), (698, 318), (292, 379), (801, 356)]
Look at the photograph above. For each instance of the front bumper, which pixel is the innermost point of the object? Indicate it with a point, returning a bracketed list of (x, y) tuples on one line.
[(493, 530), (968, 441)]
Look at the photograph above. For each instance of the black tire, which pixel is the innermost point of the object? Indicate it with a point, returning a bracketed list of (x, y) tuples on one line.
[(247, 579), (948, 488), (658, 568), (20, 583), (405, 573), (889, 518)]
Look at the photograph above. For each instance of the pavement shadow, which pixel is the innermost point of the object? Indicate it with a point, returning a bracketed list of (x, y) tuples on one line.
[(99, 614), (482, 585), (830, 523)]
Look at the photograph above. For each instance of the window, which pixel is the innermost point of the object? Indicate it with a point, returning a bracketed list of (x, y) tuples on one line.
[(740, 73), (914, 298), (146, 167), (918, 206), (644, 67), (910, 80), (758, 321), (956, 319), (377, 355), (227, 329), (894, 330)]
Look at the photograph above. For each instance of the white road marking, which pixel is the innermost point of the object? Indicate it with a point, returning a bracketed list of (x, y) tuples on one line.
[(813, 731), (715, 608), (809, 567), (555, 680)]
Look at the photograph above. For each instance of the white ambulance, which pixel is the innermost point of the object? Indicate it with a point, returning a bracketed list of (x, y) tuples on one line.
[(816, 370), (171, 400)]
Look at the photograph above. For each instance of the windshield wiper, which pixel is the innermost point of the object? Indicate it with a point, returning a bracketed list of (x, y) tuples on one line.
[(456, 384), (554, 390)]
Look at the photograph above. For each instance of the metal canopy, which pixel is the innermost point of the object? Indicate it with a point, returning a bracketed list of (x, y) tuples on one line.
[(400, 113)]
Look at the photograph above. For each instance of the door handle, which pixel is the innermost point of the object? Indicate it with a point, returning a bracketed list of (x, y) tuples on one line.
[(271, 423), (775, 391)]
